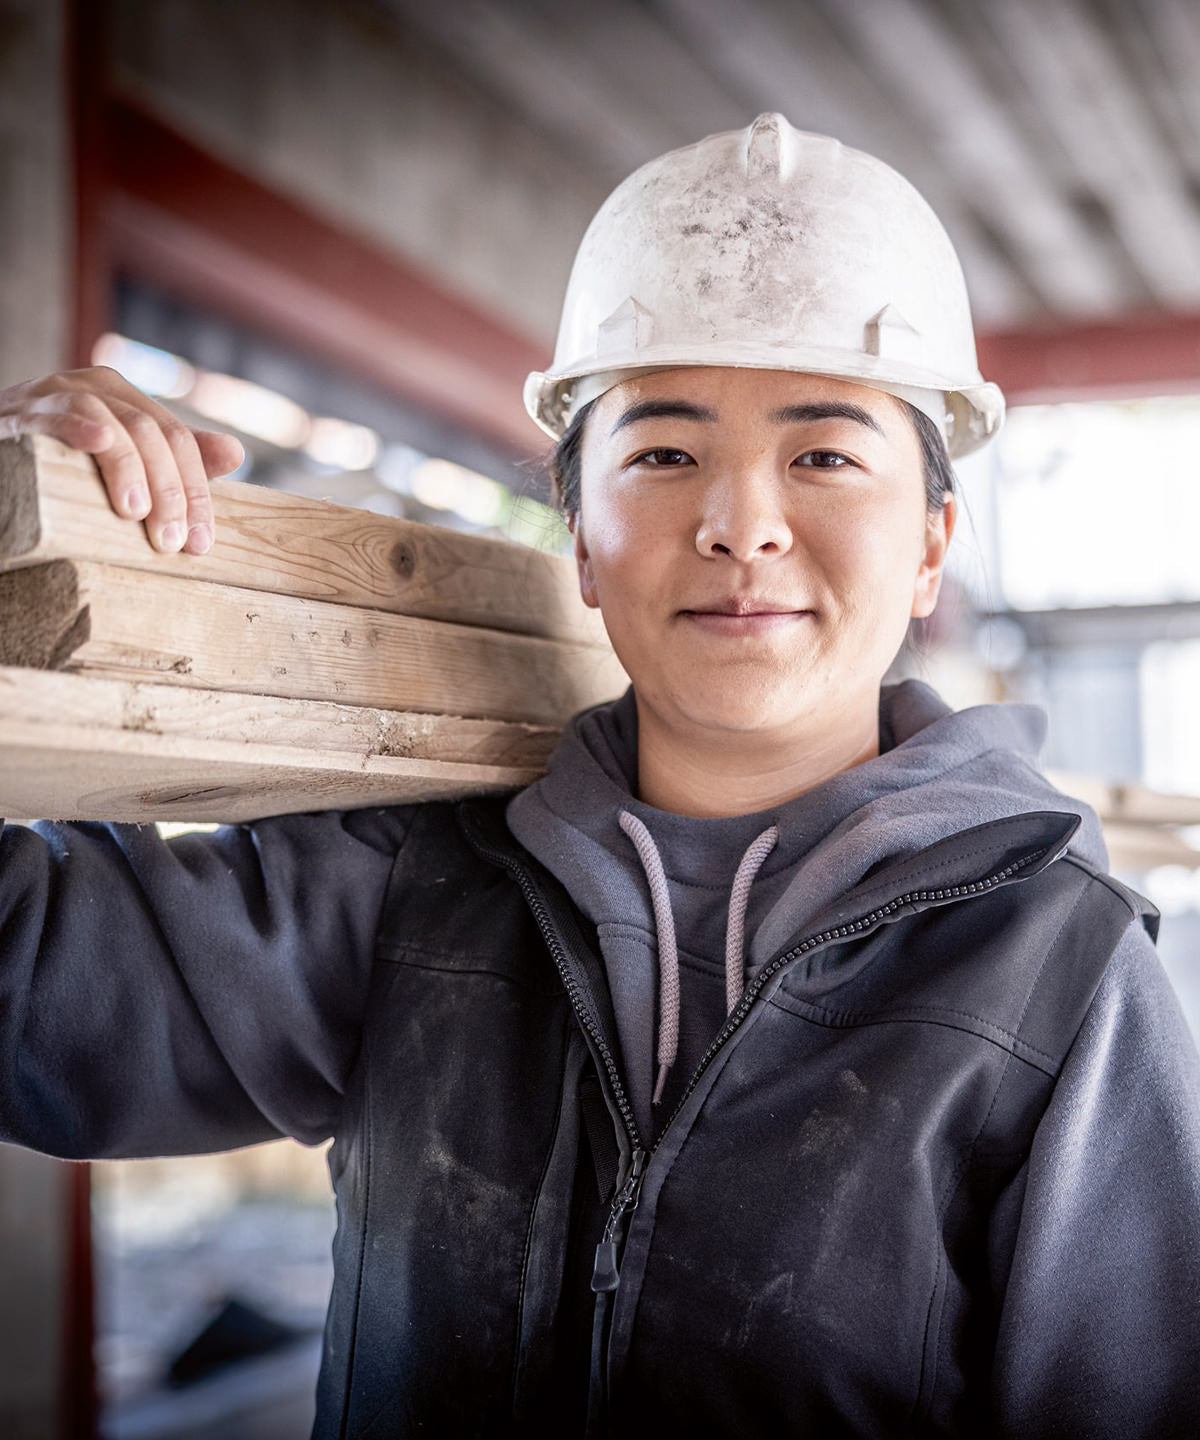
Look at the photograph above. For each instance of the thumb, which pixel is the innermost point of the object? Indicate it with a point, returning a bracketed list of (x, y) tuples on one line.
[(220, 453)]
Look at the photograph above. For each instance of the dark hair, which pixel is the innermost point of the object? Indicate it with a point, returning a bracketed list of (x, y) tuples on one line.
[(565, 465), (935, 459)]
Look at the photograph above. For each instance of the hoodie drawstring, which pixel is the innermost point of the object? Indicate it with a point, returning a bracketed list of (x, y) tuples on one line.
[(668, 954), (668, 950), (739, 901)]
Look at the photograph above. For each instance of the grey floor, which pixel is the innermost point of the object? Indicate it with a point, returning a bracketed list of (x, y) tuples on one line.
[(164, 1265)]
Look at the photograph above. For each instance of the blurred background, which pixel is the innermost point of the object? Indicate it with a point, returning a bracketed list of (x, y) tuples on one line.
[(342, 229)]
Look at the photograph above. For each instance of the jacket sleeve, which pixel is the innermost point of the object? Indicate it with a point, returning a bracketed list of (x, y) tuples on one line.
[(161, 997), (1100, 1324)]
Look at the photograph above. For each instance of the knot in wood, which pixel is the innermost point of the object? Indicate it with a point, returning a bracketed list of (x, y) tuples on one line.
[(403, 559)]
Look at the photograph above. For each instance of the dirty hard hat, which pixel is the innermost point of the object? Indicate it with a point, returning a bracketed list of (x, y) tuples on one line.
[(776, 249)]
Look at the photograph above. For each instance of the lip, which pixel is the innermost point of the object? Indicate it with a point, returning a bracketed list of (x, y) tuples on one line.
[(743, 615)]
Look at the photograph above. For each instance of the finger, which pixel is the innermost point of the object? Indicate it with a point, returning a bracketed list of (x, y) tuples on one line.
[(216, 454), (51, 416), (197, 496), (118, 458), (80, 407), (63, 405), (220, 453), (167, 520), (189, 468), (149, 461)]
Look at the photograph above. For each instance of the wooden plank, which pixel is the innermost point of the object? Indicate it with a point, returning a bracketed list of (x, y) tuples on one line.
[(79, 772), (133, 624), (359, 733), (53, 505), (1127, 803), (1143, 847)]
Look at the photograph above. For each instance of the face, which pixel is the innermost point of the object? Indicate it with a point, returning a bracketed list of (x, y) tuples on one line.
[(756, 541)]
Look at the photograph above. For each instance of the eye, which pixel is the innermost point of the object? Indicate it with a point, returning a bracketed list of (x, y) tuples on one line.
[(824, 460), (663, 458)]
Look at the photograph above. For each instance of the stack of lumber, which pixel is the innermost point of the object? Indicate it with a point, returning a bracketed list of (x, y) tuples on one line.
[(317, 657), (1143, 828)]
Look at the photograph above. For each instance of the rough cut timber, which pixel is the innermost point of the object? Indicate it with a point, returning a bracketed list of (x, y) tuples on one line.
[(1127, 803), (135, 624), (77, 747), (360, 732), (53, 505), (318, 658)]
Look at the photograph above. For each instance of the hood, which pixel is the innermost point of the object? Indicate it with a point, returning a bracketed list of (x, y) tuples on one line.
[(939, 772)]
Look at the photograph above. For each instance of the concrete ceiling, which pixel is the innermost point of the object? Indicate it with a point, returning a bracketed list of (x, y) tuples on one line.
[(1059, 140)]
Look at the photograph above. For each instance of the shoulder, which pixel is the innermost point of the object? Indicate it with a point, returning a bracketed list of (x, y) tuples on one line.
[(1098, 887), (454, 833), (1095, 932), (449, 880), (1024, 961)]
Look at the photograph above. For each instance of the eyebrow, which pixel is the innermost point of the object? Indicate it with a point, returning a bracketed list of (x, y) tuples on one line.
[(788, 415), (664, 410), (829, 410)]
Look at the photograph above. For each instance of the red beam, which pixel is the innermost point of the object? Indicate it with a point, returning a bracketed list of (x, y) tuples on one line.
[(178, 216), (1138, 355)]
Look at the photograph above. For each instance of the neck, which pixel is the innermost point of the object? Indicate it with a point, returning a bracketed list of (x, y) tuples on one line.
[(711, 774)]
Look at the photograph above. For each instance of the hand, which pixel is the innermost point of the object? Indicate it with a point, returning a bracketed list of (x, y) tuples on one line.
[(154, 467)]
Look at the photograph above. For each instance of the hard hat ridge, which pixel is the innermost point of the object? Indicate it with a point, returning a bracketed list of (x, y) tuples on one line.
[(770, 148), (771, 248)]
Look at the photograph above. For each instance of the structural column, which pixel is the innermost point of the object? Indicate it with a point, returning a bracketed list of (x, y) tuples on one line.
[(37, 1196)]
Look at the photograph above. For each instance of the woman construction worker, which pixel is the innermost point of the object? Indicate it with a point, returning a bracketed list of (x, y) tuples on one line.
[(784, 1062)]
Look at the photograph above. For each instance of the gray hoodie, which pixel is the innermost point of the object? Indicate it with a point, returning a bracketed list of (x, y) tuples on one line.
[(938, 772)]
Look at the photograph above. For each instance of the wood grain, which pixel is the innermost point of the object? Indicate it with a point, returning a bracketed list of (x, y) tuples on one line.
[(79, 747), (360, 733), (134, 624), (53, 505), (79, 772)]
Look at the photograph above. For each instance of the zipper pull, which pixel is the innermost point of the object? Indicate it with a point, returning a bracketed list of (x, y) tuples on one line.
[(606, 1273)]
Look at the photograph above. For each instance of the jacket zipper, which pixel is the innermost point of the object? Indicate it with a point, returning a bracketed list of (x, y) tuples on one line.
[(575, 994), (627, 1192), (606, 1274), (842, 932)]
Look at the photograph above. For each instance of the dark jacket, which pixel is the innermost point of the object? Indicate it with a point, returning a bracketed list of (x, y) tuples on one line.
[(938, 1175)]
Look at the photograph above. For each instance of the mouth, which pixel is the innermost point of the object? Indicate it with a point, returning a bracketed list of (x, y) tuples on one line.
[(743, 615)]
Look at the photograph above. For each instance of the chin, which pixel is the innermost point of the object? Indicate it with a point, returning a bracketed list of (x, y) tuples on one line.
[(736, 707)]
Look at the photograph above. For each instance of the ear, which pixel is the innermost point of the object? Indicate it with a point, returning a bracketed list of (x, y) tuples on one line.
[(583, 564), (939, 527)]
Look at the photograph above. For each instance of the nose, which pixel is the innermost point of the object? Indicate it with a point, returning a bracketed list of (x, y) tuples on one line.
[(743, 519)]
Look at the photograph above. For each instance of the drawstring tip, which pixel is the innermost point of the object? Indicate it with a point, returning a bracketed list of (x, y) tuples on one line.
[(659, 1084)]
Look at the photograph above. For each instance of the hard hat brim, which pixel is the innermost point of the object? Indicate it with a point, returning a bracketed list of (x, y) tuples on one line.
[(974, 406)]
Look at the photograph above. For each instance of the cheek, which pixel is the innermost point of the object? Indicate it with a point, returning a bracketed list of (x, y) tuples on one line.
[(625, 545), (612, 535), (856, 533), (871, 554)]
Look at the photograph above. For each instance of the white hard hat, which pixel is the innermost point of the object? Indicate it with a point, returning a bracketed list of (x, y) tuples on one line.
[(776, 249)]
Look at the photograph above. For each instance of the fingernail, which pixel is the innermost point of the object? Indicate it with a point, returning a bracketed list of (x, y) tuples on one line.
[(199, 541), (172, 536), (137, 502)]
